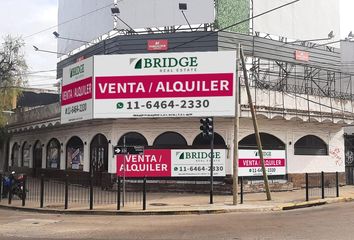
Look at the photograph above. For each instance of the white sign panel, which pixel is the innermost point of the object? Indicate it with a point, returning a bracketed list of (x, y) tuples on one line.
[(76, 92), (249, 163), (299, 20), (189, 84), (76, 19), (160, 13), (196, 163)]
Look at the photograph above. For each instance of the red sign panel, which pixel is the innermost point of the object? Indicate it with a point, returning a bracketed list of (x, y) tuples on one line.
[(77, 91), (157, 45), (154, 163), (164, 86), (302, 56)]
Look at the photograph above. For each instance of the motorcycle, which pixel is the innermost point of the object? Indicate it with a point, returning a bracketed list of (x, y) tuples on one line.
[(15, 184), (17, 187)]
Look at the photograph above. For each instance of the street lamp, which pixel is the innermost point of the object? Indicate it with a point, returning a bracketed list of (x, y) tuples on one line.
[(46, 51), (57, 35), (115, 12), (182, 7)]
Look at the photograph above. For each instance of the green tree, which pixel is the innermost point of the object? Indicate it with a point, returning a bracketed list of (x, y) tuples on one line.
[(13, 69)]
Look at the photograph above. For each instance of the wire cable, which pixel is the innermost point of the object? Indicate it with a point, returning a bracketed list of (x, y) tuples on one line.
[(70, 20)]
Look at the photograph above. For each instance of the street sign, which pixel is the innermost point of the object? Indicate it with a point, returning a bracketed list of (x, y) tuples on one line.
[(129, 150)]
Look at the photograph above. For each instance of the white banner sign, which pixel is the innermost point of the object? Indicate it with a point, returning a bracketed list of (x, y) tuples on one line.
[(189, 84), (196, 163), (77, 92), (249, 163), (172, 163)]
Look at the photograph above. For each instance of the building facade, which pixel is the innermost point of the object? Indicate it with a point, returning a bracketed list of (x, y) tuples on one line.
[(302, 103)]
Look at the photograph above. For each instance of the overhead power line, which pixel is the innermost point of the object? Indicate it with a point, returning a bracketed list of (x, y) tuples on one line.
[(70, 20), (235, 24)]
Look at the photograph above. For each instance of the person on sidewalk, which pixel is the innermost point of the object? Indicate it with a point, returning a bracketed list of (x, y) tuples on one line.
[(7, 183)]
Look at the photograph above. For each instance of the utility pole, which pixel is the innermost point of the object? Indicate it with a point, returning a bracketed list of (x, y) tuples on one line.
[(255, 125), (236, 130)]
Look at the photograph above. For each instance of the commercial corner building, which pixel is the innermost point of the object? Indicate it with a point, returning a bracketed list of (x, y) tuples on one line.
[(302, 105)]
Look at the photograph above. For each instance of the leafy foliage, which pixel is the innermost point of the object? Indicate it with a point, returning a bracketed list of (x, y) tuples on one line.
[(13, 68)]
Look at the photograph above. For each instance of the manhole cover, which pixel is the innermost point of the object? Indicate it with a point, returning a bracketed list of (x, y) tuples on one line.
[(158, 204)]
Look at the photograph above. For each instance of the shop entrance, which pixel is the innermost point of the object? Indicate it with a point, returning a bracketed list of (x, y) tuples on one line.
[(349, 159), (37, 158), (99, 160)]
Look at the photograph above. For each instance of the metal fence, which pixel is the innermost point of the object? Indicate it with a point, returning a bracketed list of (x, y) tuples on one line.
[(80, 192), (321, 185), (73, 192)]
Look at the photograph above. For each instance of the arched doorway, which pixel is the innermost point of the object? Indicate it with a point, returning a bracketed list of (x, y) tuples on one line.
[(310, 145), (200, 141), (26, 157), (269, 142), (15, 154), (132, 139), (170, 140), (98, 158), (75, 154), (37, 157), (53, 154)]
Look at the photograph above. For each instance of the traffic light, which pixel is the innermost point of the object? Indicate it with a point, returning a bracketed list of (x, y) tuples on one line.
[(207, 127)]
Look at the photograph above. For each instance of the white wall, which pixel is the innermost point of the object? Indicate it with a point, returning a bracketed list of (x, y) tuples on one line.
[(287, 131)]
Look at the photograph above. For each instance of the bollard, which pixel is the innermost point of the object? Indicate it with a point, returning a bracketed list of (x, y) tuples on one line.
[(1, 187), (118, 193), (10, 189), (241, 190), (307, 186), (42, 192), (337, 184), (24, 190), (66, 196), (144, 194), (91, 191), (322, 185)]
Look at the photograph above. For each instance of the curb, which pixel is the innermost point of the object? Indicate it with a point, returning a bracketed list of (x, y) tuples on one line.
[(139, 213), (284, 207), (315, 203)]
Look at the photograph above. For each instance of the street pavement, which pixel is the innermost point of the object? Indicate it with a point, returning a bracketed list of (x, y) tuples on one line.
[(187, 203), (332, 221)]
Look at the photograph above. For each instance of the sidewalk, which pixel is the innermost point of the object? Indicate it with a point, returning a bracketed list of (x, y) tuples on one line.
[(186, 203)]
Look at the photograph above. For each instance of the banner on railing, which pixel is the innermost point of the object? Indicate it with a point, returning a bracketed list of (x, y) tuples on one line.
[(249, 163), (172, 163)]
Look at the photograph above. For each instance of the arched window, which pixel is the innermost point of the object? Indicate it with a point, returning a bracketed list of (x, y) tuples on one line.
[(269, 142), (99, 154), (170, 140), (37, 155), (199, 140), (15, 154), (75, 154), (53, 154), (133, 139), (26, 158), (310, 145)]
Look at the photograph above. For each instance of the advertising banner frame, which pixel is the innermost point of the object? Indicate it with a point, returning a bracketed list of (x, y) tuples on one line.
[(188, 84), (171, 163), (165, 85), (249, 163)]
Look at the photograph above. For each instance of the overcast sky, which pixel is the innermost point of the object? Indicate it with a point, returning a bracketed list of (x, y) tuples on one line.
[(26, 17)]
